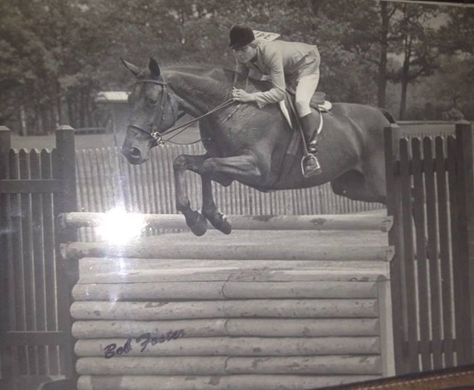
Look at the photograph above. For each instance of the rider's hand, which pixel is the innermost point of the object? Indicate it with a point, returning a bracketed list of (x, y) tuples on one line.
[(240, 95)]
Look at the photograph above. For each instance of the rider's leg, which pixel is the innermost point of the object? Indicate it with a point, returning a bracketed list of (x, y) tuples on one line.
[(305, 90)]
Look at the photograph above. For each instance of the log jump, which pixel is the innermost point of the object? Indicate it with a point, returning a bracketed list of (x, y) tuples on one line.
[(274, 309)]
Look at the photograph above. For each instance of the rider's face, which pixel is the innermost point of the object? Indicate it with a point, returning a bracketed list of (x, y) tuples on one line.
[(245, 54)]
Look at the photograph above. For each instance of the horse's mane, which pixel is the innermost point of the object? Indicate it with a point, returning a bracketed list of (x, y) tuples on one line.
[(203, 70), (219, 74)]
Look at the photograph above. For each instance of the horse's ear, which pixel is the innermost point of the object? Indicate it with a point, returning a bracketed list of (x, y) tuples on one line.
[(154, 68), (132, 68)]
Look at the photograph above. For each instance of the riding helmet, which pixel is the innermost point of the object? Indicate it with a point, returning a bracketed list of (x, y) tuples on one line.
[(240, 36)]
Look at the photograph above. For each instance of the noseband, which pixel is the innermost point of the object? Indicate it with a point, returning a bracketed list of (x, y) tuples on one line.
[(154, 132)]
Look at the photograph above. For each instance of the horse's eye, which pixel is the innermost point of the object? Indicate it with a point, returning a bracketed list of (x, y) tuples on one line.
[(150, 101)]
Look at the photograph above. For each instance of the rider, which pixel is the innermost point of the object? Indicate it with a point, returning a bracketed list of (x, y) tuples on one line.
[(291, 65)]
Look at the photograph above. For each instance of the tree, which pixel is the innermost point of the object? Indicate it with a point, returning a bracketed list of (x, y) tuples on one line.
[(57, 54), (417, 48), (457, 36), (368, 34), (51, 52)]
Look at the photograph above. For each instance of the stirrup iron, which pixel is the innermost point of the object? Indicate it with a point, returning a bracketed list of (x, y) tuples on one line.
[(317, 166)]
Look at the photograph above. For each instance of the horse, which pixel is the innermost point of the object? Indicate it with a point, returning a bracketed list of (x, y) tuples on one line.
[(249, 144)]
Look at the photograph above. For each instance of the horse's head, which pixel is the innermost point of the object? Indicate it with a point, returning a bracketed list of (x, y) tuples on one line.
[(153, 110)]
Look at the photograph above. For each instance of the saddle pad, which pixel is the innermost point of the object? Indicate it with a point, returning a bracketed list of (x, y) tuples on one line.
[(317, 99), (319, 102)]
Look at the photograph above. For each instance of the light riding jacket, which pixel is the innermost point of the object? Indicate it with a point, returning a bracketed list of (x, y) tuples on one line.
[(285, 62)]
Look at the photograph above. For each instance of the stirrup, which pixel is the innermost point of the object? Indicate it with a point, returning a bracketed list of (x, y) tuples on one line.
[(314, 170)]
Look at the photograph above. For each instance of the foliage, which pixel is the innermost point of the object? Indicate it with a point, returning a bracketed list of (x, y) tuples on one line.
[(56, 55), (458, 34), (48, 43)]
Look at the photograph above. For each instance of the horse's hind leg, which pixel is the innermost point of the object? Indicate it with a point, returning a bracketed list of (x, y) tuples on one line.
[(196, 222), (366, 184)]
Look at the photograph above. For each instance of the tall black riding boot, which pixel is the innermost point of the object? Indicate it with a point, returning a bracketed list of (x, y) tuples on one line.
[(310, 164), (309, 123)]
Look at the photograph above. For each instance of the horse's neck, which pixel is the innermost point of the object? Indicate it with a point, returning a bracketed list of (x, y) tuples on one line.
[(197, 93)]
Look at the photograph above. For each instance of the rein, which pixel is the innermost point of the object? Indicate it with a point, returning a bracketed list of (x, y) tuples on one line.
[(156, 134), (185, 125)]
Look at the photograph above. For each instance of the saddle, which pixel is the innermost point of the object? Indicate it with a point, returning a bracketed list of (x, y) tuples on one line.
[(318, 102), (287, 107)]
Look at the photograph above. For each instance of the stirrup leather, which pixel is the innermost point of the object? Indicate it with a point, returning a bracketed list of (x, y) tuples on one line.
[(312, 146)]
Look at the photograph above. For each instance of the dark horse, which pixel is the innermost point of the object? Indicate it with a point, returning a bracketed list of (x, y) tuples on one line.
[(249, 144)]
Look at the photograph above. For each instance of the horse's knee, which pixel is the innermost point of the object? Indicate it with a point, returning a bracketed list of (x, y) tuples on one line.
[(180, 163), (208, 167)]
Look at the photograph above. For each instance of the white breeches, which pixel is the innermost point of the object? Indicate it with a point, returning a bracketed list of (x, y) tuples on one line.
[(305, 90)]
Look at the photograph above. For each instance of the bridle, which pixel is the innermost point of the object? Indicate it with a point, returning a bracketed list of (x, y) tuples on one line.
[(154, 133)]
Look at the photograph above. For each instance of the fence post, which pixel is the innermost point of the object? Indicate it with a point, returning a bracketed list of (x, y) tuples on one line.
[(65, 171), (5, 146), (5, 357), (392, 136), (465, 238)]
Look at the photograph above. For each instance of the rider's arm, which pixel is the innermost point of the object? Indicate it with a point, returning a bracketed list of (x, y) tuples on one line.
[(241, 75), (274, 62)]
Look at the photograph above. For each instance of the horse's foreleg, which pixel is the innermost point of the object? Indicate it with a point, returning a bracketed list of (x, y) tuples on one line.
[(196, 222), (246, 168), (209, 208)]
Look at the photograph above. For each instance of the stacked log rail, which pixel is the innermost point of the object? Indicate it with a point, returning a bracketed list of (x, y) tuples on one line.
[(201, 314), (251, 222)]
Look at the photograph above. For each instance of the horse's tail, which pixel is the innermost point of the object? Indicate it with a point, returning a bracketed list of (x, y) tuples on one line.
[(387, 115)]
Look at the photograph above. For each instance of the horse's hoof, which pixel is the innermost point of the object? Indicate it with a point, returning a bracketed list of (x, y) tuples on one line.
[(197, 223), (219, 221), (224, 225)]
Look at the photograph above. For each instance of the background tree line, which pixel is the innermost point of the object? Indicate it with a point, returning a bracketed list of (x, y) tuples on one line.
[(55, 55)]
